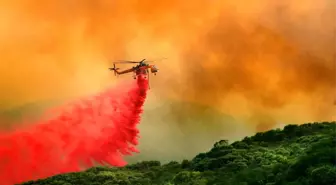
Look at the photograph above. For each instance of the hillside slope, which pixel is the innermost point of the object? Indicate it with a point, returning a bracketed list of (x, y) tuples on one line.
[(295, 155)]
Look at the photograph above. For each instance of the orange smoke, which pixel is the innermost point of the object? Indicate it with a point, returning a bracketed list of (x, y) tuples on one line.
[(263, 62)]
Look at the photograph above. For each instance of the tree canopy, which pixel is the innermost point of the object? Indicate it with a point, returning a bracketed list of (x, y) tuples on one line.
[(295, 155)]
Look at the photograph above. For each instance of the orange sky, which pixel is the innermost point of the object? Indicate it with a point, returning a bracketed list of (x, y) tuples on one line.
[(263, 62)]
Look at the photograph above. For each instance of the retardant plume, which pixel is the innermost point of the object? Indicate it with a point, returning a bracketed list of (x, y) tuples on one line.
[(101, 128)]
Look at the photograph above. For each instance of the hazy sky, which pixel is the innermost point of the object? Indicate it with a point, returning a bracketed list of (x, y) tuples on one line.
[(263, 63)]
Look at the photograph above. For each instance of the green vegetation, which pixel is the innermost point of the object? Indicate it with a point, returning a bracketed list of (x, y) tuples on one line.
[(295, 155)]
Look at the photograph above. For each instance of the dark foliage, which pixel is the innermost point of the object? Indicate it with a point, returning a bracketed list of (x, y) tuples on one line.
[(297, 155)]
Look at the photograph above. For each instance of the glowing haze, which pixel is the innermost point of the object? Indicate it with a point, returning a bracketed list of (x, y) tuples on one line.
[(263, 63)]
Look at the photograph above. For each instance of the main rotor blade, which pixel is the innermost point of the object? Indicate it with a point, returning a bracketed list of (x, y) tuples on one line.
[(125, 61), (136, 62)]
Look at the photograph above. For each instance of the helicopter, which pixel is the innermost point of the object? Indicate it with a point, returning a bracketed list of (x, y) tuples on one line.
[(142, 68)]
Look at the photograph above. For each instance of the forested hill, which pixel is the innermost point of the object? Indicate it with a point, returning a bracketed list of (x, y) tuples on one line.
[(295, 155)]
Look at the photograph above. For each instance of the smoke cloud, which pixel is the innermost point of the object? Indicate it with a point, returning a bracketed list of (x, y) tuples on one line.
[(257, 64)]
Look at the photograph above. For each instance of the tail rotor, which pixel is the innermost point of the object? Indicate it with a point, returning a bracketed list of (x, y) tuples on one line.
[(114, 69)]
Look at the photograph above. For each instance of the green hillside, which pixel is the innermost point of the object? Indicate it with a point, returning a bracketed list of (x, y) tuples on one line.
[(295, 155)]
